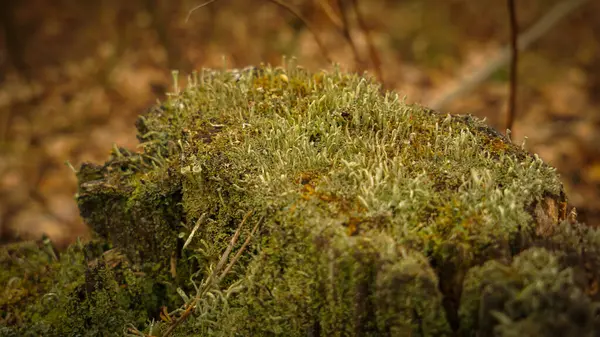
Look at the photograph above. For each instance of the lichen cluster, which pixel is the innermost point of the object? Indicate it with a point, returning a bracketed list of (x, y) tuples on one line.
[(273, 201)]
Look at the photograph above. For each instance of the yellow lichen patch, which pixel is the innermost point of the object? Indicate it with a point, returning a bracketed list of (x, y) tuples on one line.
[(353, 226), (498, 146)]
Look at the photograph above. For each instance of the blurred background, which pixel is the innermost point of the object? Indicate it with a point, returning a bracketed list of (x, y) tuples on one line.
[(74, 75)]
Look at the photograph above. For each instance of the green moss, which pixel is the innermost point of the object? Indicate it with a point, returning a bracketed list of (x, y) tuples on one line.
[(140, 201), (536, 296), (362, 214), (89, 290)]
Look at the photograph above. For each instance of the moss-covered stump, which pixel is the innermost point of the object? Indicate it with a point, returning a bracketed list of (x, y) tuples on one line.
[(279, 202)]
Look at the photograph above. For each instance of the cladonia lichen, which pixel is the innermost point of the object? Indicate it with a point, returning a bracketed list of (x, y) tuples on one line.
[(275, 201)]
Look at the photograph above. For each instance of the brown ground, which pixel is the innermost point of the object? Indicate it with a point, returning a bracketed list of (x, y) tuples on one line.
[(75, 74)]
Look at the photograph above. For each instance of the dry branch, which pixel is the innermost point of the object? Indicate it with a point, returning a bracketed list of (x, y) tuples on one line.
[(308, 25), (539, 29), (514, 32)]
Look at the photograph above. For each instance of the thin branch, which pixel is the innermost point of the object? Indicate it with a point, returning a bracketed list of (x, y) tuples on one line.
[(239, 253), (538, 30), (210, 281), (330, 12), (308, 25), (374, 54), (197, 7), (290, 9), (183, 317), (198, 223), (512, 98), (232, 243), (158, 23), (345, 30)]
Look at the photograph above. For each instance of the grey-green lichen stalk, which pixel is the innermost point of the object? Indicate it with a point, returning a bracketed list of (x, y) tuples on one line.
[(362, 215)]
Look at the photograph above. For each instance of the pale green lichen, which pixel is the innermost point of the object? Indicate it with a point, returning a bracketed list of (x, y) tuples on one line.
[(368, 212)]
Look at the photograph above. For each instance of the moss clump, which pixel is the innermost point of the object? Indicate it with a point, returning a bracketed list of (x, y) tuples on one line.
[(280, 202), (536, 295), (89, 290)]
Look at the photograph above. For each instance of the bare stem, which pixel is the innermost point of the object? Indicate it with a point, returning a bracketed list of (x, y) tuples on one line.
[(198, 7), (373, 53), (210, 281), (539, 29), (232, 243), (345, 30), (512, 98), (308, 25), (239, 253)]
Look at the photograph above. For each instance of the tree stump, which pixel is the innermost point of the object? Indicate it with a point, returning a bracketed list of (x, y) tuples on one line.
[(274, 201)]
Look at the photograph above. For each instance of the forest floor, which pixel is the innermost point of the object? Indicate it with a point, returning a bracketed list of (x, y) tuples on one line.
[(74, 76)]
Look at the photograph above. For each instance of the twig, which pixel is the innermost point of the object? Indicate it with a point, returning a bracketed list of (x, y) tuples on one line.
[(232, 243), (540, 28), (160, 24), (345, 30), (313, 31), (198, 223), (210, 281), (16, 40), (290, 9), (374, 54), (182, 318), (326, 7), (197, 7), (512, 98), (239, 253)]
